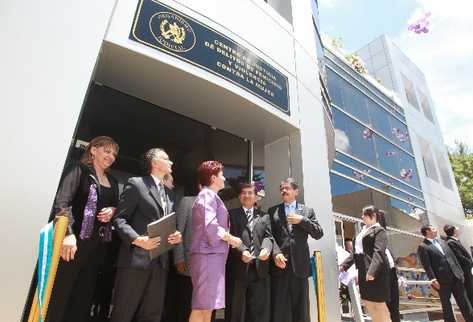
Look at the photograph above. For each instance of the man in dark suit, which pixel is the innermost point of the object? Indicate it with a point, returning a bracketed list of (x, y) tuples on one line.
[(291, 223), (248, 265), (445, 273), (463, 256), (141, 282)]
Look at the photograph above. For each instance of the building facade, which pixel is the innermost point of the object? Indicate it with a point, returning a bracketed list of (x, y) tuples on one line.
[(390, 153), (237, 81), (387, 63)]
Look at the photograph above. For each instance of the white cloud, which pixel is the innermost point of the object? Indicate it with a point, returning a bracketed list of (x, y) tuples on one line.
[(342, 142), (445, 55)]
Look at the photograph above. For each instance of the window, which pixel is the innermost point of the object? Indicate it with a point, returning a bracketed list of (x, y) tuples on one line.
[(379, 118), (428, 160), (388, 157), (408, 172), (443, 165), (424, 102), (381, 176), (364, 176), (360, 139), (410, 92), (400, 134), (354, 102), (334, 88), (362, 143)]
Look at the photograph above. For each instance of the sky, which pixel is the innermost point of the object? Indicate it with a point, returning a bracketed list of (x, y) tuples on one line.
[(444, 54)]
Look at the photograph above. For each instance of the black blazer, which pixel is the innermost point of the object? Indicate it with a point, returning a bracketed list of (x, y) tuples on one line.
[(439, 266), (139, 205), (73, 193), (262, 238), (373, 261), (294, 245), (463, 256)]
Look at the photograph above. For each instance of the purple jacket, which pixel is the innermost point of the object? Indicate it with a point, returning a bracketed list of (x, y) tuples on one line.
[(209, 223)]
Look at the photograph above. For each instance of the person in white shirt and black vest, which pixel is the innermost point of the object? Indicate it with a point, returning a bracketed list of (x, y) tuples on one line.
[(445, 273), (248, 265), (291, 224)]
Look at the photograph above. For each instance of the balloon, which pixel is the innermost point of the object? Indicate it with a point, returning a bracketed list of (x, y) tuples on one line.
[(420, 25)]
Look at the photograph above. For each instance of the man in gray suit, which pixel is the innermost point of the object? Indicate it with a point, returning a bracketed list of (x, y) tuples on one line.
[(141, 282), (181, 259)]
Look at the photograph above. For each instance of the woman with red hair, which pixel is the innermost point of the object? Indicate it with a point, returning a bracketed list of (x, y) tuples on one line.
[(210, 240)]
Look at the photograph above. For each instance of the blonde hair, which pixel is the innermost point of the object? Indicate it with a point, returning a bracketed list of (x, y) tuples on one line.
[(99, 141)]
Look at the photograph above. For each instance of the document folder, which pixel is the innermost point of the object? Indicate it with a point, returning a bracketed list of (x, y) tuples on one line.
[(163, 227)]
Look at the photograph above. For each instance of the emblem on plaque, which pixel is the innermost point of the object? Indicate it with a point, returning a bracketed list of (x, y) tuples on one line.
[(172, 31)]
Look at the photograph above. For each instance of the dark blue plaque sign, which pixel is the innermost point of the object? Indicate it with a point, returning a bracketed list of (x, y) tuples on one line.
[(161, 27)]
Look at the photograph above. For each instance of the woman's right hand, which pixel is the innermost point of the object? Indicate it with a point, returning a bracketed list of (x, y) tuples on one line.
[(233, 241), (69, 247)]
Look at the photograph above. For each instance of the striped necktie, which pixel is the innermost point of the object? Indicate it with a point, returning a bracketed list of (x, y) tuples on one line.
[(162, 196), (249, 216)]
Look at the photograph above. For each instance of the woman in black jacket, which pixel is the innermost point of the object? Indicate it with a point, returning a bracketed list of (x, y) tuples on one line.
[(393, 303), (90, 195), (371, 262)]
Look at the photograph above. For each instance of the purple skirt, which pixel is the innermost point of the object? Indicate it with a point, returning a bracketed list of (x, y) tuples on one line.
[(208, 280)]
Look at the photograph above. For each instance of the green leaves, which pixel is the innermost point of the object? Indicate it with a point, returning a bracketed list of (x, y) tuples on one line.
[(462, 164)]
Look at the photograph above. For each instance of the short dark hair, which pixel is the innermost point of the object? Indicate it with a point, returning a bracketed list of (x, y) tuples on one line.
[(425, 228), (291, 181), (246, 185), (348, 240), (370, 211), (449, 230), (148, 158)]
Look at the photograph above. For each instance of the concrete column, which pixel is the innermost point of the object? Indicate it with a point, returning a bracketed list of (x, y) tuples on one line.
[(49, 51), (277, 166)]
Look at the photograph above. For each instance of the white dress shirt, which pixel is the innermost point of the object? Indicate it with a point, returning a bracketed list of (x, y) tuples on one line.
[(436, 243), (359, 238), (160, 185)]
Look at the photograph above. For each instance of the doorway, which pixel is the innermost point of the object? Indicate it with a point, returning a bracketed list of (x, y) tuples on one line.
[(138, 125)]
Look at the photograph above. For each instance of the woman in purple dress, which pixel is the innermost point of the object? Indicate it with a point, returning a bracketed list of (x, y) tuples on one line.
[(210, 240)]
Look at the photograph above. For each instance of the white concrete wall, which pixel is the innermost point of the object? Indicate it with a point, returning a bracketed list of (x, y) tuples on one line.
[(48, 55), (312, 153), (440, 200)]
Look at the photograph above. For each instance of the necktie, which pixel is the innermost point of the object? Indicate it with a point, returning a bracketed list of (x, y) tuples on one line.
[(289, 211), (249, 216), (162, 197)]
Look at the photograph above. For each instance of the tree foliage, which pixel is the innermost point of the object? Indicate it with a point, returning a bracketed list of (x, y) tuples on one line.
[(461, 159)]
